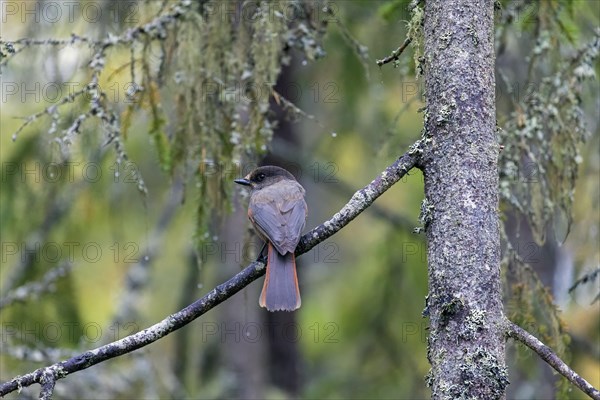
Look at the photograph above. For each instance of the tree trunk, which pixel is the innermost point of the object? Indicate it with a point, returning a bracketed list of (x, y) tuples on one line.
[(460, 213)]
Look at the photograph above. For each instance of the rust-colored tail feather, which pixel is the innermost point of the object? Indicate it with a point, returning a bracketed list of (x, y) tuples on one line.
[(280, 291)]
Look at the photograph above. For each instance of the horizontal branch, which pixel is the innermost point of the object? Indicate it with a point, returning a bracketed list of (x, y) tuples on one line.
[(357, 204), (548, 355)]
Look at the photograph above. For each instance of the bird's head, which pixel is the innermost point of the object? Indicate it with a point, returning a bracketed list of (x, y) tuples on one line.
[(265, 176)]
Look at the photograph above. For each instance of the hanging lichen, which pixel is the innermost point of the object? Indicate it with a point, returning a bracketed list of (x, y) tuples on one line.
[(539, 160), (201, 77), (415, 34), (541, 139), (223, 79), (530, 305)]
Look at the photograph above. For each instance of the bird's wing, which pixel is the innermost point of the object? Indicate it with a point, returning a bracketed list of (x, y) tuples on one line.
[(280, 217)]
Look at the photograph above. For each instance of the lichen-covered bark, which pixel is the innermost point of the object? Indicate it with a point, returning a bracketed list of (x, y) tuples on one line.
[(466, 342)]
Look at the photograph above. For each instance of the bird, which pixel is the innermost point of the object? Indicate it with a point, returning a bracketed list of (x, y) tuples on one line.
[(277, 211)]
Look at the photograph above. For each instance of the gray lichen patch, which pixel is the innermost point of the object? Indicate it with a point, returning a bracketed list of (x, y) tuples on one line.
[(473, 324), (445, 39), (445, 112), (541, 137), (426, 214)]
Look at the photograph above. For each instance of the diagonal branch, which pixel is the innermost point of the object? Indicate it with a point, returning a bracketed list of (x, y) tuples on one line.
[(548, 355), (395, 54), (362, 199)]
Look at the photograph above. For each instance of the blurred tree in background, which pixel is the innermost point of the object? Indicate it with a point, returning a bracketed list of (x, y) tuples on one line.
[(124, 123)]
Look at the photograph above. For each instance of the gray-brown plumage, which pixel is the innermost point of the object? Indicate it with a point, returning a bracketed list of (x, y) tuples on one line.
[(278, 212)]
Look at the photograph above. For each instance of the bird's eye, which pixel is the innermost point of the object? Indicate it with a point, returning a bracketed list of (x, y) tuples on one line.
[(260, 177)]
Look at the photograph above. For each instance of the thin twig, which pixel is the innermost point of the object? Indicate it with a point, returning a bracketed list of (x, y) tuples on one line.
[(36, 289), (362, 199), (395, 54), (361, 51), (289, 105), (589, 277), (548, 355), (153, 30)]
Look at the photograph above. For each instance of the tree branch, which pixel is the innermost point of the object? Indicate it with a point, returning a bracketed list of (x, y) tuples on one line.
[(548, 355), (395, 54), (47, 382), (38, 288), (362, 199)]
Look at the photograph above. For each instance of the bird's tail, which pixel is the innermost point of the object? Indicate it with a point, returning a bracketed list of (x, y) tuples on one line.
[(280, 291)]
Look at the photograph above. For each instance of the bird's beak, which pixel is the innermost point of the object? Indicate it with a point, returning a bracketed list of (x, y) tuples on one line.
[(243, 181)]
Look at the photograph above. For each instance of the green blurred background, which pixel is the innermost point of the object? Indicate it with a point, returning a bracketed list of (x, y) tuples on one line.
[(133, 258)]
